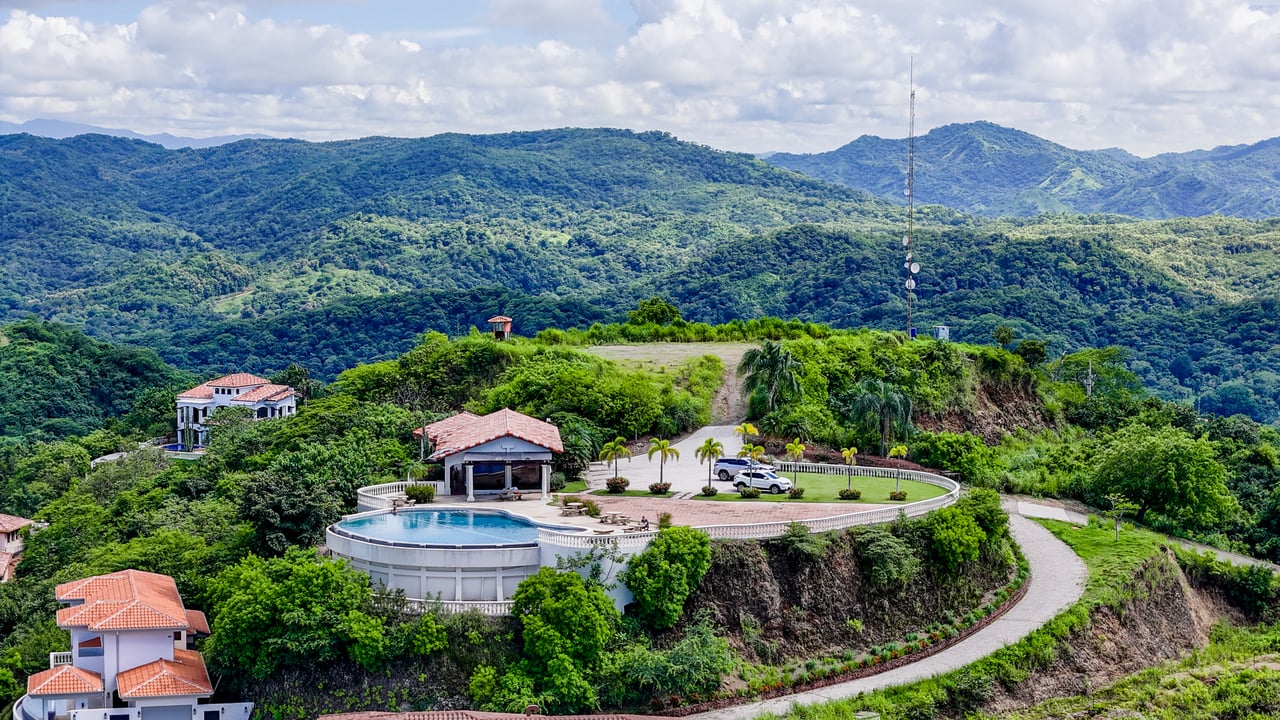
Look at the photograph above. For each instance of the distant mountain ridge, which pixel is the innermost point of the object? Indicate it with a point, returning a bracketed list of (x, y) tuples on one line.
[(995, 171), (61, 129)]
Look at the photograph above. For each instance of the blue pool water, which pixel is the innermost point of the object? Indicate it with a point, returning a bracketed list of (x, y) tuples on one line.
[(445, 527)]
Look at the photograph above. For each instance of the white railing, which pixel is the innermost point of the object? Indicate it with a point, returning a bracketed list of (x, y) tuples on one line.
[(59, 658), (634, 541), (453, 607), (380, 497)]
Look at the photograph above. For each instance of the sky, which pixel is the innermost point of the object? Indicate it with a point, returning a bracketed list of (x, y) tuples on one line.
[(1149, 76)]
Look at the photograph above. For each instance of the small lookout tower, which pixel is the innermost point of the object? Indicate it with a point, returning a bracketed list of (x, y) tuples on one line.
[(501, 325), (942, 332)]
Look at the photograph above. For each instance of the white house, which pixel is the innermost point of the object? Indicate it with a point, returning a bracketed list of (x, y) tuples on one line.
[(493, 453), (10, 543), (265, 399), (128, 641)]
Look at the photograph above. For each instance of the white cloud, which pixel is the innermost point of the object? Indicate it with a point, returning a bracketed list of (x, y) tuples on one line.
[(747, 74)]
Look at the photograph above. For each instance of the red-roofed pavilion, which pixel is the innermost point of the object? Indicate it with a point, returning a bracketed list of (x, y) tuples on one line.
[(491, 454)]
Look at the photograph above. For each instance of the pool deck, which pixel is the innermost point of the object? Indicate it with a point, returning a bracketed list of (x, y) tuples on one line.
[(697, 513)]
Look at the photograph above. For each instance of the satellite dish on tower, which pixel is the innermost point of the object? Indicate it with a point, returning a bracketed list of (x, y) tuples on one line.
[(914, 267)]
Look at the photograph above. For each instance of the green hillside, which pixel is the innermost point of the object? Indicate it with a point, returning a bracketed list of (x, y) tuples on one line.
[(990, 170)]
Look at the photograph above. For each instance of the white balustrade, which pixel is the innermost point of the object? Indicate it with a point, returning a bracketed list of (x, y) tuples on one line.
[(59, 658)]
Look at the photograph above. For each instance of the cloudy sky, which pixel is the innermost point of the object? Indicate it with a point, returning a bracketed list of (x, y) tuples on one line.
[(754, 75)]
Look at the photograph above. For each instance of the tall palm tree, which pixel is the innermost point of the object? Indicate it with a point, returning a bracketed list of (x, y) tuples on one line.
[(663, 449), (850, 455), (708, 452), (771, 369), (795, 451), (612, 452), (881, 407)]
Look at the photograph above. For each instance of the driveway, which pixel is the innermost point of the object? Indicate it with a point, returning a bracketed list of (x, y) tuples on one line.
[(686, 475)]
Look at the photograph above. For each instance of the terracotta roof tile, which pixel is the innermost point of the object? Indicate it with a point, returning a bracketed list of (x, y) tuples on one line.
[(197, 622), (238, 380), (9, 523), (266, 392), (456, 434), (203, 391), (185, 674), (8, 566), (499, 319), (125, 600), (64, 680)]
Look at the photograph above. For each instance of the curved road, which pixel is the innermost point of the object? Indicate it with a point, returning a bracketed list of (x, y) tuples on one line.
[(1057, 581)]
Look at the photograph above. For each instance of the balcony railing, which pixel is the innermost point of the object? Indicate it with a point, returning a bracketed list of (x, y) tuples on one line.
[(59, 658)]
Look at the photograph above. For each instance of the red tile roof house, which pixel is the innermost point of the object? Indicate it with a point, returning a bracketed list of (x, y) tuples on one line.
[(265, 399), (128, 642), (11, 543), (493, 453)]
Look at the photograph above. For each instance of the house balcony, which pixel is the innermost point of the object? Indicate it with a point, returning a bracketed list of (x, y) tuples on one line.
[(59, 658)]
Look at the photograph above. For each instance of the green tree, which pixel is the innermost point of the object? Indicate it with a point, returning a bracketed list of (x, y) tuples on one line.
[(744, 431), (615, 450), (654, 310), (1165, 470), (662, 448), (1032, 352), (293, 611), (752, 452), (565, 626), (1004, 335), (708, 452), (772, 371), (662, 576), (884, 409), (850, 455), (795, 451)]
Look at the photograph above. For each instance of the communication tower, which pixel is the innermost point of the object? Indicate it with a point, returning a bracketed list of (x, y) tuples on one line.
[(908, 240)]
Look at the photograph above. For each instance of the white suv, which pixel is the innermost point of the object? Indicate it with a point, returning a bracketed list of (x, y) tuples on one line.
[(764, 480), (727, 467)]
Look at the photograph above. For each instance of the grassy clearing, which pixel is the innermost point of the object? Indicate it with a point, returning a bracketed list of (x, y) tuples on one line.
[(820, 488), (1112, 566), (664, 357)]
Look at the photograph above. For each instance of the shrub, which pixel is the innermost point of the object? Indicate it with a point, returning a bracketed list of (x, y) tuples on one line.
[(420, 493), (983, 505), (799, 540), (664, 520), (890, 561), (663, 576), (795, 493), (557, 481), (749, 492), (710, 491), (957, 537), (660, 488), (853, 494), (898, 495), (617, 484)]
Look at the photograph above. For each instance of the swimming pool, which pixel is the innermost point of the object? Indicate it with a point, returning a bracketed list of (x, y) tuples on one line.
[(445, 553), (446, 528)]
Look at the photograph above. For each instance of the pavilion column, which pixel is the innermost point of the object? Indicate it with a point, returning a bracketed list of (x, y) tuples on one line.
[(546, 479), (471, 484), (506, 469)]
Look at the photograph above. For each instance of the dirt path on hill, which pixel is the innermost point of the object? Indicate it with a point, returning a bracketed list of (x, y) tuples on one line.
[(728, 407)]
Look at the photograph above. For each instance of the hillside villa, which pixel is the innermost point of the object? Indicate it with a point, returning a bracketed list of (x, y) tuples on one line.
[(493, 454), (129, 657), (259, 394), (11, 527)]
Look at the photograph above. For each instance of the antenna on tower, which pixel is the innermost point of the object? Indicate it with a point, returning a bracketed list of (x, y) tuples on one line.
[(908, 240)]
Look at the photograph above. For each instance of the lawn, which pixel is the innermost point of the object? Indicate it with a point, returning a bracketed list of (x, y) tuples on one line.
[(632, 493), (825, 488)]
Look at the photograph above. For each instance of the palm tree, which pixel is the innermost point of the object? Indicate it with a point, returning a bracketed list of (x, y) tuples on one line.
[(708, 452), (752, 452), (850, 455), (744, 430), (795, 451), (771, 369), (663, 450), (614, 451), (883, 408)]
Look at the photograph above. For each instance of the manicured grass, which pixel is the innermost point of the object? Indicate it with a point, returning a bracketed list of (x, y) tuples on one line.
[(826, 489), (577, 486), (632, 493)]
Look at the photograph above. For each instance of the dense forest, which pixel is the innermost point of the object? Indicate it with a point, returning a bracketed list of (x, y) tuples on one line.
[(258, 254)]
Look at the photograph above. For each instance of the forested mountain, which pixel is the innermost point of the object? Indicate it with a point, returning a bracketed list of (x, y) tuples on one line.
[(258, 254), (995, 171)]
